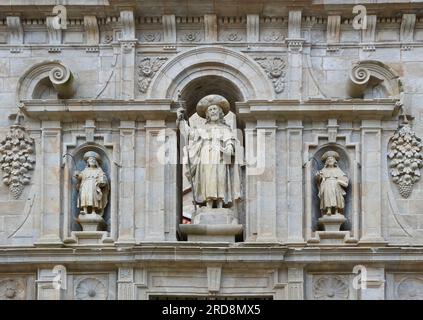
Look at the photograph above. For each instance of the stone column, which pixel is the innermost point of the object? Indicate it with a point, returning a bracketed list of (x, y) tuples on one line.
[(126, 283), (155, 181), (128, 43), (50, 199), (295, 183), (266, 182), (127, 183), (371, 166)]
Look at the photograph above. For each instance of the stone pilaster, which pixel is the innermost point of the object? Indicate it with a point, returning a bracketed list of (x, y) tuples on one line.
[(128, 44), (371, 214), (126, 283), (127, 183), (51, 146), (295, 183), (295, 283), (295, 59)]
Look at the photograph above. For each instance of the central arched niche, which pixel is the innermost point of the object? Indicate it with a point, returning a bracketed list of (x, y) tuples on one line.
[(191, 94)]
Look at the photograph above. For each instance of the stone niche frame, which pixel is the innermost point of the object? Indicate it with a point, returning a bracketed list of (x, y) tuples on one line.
[(109, 165), (350, 165)]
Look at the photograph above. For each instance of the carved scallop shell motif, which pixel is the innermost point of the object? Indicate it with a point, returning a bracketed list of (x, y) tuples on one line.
[(330, 288), (11, 289), (410, 289), (90, 289)]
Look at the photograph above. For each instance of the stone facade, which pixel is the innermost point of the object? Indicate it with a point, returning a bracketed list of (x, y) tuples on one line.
[(300, 79)]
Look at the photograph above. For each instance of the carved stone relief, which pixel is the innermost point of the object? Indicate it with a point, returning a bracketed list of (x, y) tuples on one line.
[(405, 158), (12, 289), (146, 70), (16, 158), (91, 289), (410, 288), (275, 70), (330, 287)]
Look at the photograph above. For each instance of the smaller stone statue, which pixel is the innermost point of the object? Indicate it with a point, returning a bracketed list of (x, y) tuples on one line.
[(93, 186), (331, 181)]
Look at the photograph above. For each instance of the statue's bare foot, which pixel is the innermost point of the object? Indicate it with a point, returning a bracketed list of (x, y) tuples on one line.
[(209, 203), (220, 203)]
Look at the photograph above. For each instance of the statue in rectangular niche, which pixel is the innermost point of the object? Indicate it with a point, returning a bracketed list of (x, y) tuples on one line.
[(331, 181)]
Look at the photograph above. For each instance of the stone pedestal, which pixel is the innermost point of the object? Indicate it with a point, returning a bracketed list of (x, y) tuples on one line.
[(332, 234), (212, 224), (332, 222), (91, 222)]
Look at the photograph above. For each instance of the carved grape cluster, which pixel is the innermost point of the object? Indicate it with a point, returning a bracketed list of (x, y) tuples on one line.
[(405, 159), (16, 159)]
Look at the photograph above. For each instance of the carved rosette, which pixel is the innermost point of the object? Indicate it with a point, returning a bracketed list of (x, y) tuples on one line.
[(91, 289), (405, 159), (275, 70), (410, 289), (16, 159), (330, 288), (146, 71), (12, 289)]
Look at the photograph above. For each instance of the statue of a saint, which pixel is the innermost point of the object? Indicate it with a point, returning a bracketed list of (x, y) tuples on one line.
[(212, 168), (332, 181), (93, 186)]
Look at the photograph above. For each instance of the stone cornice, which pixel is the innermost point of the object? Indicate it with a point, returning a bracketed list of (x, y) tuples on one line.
[(180, 252), (343, 108)]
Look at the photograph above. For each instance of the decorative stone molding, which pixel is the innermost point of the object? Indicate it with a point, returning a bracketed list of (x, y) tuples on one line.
[(294, 24), (275, 70), (405, 158), (210, 24), (57, 73), (214, 278), (169, 28), (330, 288), (16, 158), (90, 289), (91, 30), (408, 23), (54, 34), (410, 288), (273, 36), (128, 23), (295, 45), (368, 35), (253, 27), (14, 25), (146, 71), (371, 72), (12, 289)]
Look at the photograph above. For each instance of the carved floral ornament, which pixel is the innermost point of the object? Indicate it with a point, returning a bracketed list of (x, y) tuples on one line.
[(16, 158), (147, 69), (405, 158), (275, 70)]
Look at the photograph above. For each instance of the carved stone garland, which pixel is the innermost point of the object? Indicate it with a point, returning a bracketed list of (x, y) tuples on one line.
[(146, 71), (405, 158), (275, 70), (16, 158)]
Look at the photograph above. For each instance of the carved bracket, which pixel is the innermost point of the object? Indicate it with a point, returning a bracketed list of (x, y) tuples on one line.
[(14, 25), (275, 70), (54, 33), (16, 158), (405, 158), (91, 30), (371, 72), (146, 71)]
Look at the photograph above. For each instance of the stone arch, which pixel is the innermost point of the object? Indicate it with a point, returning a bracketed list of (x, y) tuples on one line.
[(47, 74), (370, 74), (220, 62)]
